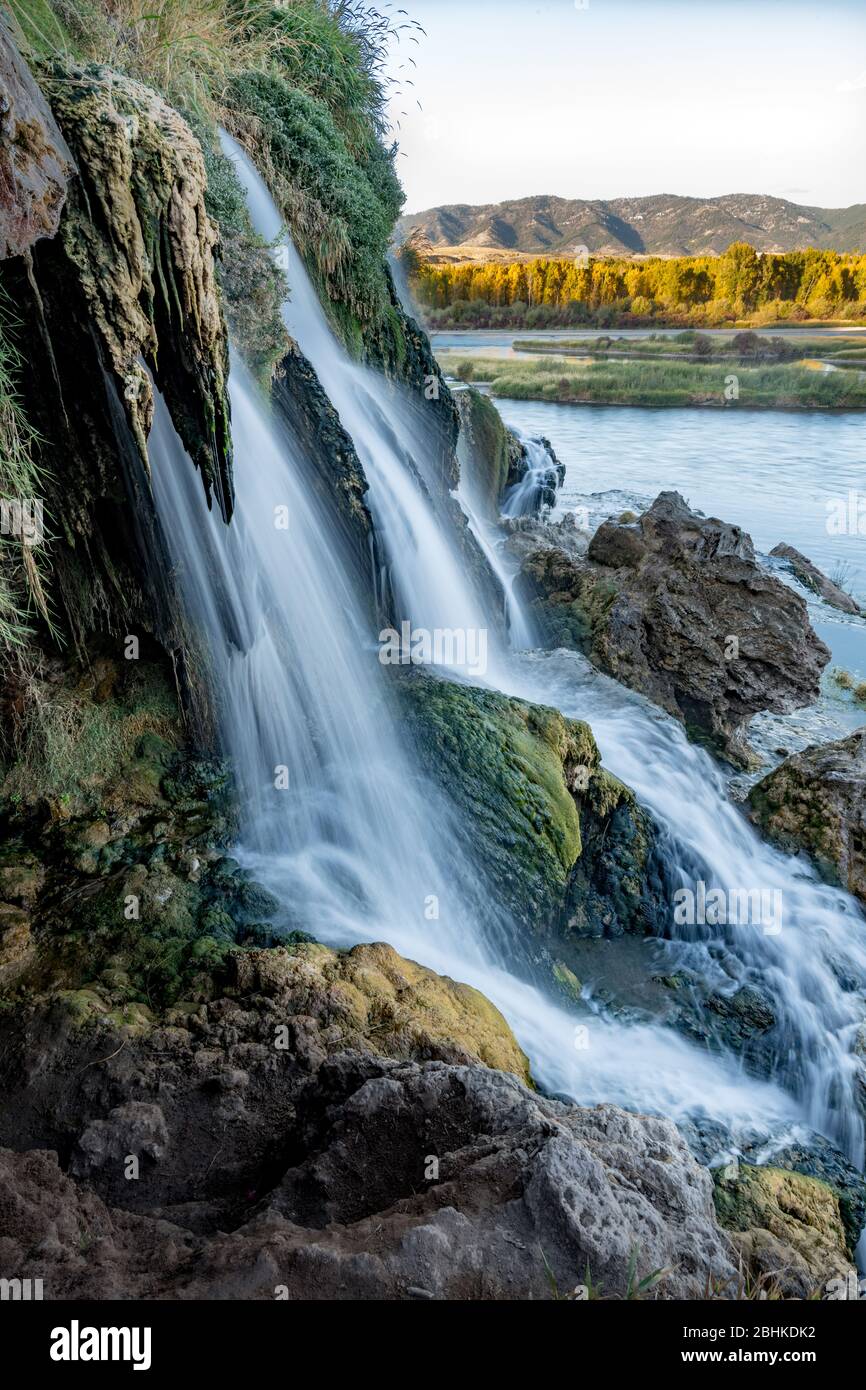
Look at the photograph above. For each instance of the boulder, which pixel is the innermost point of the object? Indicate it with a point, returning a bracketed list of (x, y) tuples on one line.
[(812, 578), (677, 607), (490, 455), (787, 1228), (131, 1130), (35, 162), (815, 801)]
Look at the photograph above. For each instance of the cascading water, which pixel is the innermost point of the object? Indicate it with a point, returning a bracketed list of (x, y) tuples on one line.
[(525, 497), (520, 632), (430, 588), (811, 961), (357, 844)]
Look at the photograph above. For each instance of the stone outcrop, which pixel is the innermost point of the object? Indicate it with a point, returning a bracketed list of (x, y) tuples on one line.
[(125, 294), (812, 578), (335, 470), (786, 1227), (35, 162), (421, 1181), (676, 606), (815, 801)]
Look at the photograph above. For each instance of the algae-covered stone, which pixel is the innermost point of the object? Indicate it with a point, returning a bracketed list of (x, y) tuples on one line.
[(35, 163), (394, 1007), (490, 453), (563, 841), (787, 1227)]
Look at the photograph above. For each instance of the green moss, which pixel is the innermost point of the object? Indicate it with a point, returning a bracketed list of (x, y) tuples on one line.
[(567, 980), (71, 741), (506, 763), (340, 209), (489, 448)]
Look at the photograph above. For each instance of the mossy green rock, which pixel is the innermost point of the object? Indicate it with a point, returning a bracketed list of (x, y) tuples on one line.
[(372, 999), (489, 451), (532, 797), (138, 239)]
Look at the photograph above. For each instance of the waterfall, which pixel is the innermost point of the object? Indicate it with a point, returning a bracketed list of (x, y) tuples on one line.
[(363, 843), (525, 498), (337, 821), (391, 436)]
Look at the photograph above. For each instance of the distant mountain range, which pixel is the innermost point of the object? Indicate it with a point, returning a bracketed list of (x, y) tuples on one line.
[(662, 225)]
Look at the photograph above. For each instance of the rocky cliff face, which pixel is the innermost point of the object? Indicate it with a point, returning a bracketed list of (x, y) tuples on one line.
[(421, 1181), (124, 294)]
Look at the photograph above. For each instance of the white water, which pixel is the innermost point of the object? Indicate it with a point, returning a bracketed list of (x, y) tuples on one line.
[(358, 843), (391, 437), (522, 499)]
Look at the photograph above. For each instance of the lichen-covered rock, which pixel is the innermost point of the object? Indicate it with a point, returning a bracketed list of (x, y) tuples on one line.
[(564, 842), (385, 1003), (35, 162), (677, 607), (422, 1181), (141, 245), (787, 1227), (816, 802)]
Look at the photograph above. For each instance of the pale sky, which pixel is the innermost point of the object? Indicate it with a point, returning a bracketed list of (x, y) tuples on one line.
[(632, 97)]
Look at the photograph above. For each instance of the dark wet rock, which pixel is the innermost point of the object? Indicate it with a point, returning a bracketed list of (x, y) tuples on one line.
[(35, 162), (334, 468), (422, 1179), (677, 607), (812, 578), (744, 1015), (815, 802), (491, 456)]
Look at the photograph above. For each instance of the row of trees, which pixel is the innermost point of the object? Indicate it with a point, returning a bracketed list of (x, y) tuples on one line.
[(813, 284)]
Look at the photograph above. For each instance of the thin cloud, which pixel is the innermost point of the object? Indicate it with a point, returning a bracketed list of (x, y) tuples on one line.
[(858, 85)]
